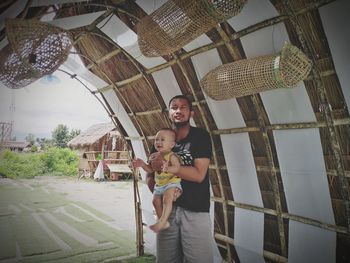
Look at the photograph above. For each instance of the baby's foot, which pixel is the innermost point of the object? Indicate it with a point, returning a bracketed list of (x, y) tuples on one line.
[(159, 226)]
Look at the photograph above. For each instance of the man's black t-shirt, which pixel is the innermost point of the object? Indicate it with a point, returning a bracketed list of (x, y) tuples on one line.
[(195, 196)]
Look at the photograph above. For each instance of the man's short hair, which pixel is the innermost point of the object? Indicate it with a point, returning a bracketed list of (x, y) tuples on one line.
[(182, 97)]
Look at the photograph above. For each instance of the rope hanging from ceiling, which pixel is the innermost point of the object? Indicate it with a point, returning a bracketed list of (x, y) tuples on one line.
[(250, 76), (178, 22), (35, 49)]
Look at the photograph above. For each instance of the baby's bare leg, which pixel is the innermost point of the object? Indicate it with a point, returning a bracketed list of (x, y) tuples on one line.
[(158, 205), (163, 223)]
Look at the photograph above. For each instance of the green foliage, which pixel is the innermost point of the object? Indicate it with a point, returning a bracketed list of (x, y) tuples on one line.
[(73, 133), (61, 135), (14, 165), (54, 161), (34, 148), (60, 161), (44, 143)]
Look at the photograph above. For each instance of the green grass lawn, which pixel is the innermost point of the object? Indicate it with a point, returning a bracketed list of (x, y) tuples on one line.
[(39, 225)]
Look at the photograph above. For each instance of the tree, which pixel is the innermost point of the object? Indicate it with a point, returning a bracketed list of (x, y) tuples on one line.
[(44, 142), (60, 135), (73, 133), (30, 138)]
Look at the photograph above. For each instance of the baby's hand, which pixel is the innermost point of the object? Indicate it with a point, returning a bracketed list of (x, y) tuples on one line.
[(138, 163), (165, 166)]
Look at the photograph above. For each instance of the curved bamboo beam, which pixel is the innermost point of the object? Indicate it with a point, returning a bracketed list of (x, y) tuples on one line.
[(137, 199), (334, 138), (305, 220), (259, 109), (215, 159)]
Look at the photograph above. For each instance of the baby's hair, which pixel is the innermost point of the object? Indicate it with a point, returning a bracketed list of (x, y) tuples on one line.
[(169, 130)]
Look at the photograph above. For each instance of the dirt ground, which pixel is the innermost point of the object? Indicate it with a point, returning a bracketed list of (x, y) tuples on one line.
[(66, 220), (113, 198)]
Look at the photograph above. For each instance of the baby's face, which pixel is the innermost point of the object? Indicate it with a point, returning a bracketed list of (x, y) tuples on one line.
[(164, 141)]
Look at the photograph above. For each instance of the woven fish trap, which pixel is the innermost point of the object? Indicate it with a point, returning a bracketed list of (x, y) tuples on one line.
[(35, 49), (178, 22), (250, 76)]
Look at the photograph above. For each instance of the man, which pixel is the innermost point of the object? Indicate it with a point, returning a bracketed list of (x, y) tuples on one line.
[(188, 237)]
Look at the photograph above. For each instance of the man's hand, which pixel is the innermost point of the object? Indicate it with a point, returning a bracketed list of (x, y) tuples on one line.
[(177, 193)]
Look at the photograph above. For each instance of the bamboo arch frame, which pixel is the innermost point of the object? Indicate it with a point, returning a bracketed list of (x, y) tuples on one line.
[(266, 127), (262, 126)]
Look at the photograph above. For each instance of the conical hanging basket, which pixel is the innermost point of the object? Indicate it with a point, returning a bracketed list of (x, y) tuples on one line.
[(35, 49), (178, 22), (250, 76)]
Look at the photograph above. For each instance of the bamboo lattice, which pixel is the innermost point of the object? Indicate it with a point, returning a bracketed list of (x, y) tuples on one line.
[(35, 49), (250, 76), (177, 22)]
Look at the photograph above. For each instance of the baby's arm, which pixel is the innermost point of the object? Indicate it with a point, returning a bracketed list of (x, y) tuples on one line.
[(140, 163)]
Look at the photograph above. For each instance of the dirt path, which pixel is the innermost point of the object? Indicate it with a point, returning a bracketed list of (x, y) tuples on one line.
[(55, 219)]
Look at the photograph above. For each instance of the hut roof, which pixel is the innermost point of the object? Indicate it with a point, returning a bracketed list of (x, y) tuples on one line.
[(15, 144), (93, 134), (281, 158)]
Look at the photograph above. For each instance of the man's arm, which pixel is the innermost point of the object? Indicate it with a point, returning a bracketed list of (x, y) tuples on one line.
[(194, 173)]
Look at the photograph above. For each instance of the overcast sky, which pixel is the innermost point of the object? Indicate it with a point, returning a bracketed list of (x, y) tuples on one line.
[(40, 107)]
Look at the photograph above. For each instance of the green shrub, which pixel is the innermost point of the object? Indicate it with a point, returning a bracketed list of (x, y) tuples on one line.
[(54, 161), (34, 148), (14, 165), (60, 161)]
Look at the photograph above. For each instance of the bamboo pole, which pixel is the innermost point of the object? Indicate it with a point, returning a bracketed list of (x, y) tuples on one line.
[(104, 58), (267, 254), (268, 211), (274, 257), (270, 159), (261, 168), (284, 126), (138, 217)]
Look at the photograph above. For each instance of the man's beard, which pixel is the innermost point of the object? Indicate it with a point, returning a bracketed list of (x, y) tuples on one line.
[(181, 124)]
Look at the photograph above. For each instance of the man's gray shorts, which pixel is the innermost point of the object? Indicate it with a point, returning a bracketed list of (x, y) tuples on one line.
[(188, 239)]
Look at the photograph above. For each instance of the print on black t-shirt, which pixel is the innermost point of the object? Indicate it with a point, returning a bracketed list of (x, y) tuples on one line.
[(183, 150)]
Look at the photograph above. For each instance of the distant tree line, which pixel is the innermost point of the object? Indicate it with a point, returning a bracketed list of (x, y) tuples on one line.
[(61, 135)]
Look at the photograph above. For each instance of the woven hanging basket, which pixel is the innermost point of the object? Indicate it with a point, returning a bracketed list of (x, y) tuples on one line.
[(35, 49), (250, 76), (178, 22)]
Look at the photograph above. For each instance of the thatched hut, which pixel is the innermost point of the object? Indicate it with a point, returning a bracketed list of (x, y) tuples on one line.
[(281, 158), (100, 141), (16, 146), (98, 137)]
